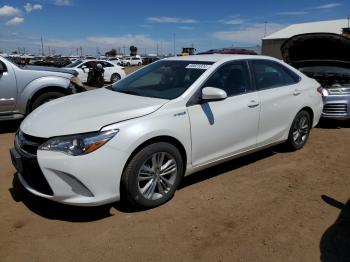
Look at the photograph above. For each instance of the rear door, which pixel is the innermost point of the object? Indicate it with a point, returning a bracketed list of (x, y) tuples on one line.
[(8, 88), (280, 98)]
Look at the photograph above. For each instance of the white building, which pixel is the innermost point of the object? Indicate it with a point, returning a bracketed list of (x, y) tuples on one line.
[(271, 44)]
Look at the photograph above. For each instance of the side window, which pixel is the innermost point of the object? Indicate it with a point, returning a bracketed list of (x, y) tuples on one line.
[(105, 64), (270, 74), (232, 77), (84, 64)]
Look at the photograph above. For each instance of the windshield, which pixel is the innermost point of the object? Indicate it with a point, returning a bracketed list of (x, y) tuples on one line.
[(166, 79), (74, 64)]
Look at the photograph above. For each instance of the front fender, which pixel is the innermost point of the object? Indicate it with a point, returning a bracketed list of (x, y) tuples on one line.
[(38, 84), (135, 132)]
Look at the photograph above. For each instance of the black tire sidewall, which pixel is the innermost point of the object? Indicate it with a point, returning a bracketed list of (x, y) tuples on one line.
[(43, 97), (129, 178), (115, 75), (291, 143)]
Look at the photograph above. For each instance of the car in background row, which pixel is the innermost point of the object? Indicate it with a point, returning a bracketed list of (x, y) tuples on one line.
[(22, 89), (149, 60), (112, 72), (229, 51), (167, 120), (115, 60), (326, 58), (131, 61)]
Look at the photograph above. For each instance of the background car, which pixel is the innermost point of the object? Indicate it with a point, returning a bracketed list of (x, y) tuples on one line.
[(112, 72), (326, 58), (132, 61), (166, 120), (22, 89), (149, 60), (115, 60)]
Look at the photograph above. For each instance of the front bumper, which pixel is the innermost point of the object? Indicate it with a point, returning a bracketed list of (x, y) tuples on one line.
[(336, 107), (89, 180)]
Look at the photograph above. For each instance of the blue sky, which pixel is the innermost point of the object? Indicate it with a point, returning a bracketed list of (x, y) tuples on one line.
[(105, 24)]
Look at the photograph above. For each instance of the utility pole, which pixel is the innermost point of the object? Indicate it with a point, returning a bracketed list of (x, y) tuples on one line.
[(174, 44), (49, 51), (42, 46), (265, 28)]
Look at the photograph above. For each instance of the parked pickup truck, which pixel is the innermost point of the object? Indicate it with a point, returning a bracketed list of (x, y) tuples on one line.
[(22, 89)]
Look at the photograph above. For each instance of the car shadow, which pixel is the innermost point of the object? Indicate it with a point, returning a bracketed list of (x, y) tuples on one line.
[(230, 165), (56, 211), (333, 124), (10, 126), (335, 242)]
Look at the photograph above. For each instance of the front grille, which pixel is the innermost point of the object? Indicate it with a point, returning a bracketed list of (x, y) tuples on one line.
[(335, 109), (340, 91), (27, 147), (29, 144)]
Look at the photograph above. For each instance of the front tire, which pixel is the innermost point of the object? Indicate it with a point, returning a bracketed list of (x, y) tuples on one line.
[(152, 175), (44, 98), (299, 131)]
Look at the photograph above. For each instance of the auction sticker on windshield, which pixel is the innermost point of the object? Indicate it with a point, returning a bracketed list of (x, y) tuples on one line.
[(198, 66)]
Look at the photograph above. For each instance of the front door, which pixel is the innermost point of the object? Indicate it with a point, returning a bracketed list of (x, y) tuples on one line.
[(220, 129), (8, 88)]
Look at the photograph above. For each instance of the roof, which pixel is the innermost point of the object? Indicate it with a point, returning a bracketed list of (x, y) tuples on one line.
[(216, 57), (331, 26)]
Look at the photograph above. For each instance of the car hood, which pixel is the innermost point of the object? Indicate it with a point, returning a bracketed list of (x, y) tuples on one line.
[(87, 112), (323, 47), (51, 69)]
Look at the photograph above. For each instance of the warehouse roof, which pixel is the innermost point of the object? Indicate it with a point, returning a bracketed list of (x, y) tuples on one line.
[(331, 26)]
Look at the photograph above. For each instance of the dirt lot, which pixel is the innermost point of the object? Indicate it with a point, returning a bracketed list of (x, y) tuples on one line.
[(270, 206)]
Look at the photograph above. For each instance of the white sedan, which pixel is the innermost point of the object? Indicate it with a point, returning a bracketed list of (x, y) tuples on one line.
[(112, 72), (139, 137)]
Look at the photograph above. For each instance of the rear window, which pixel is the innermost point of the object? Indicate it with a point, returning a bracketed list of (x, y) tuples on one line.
[(269, 74)]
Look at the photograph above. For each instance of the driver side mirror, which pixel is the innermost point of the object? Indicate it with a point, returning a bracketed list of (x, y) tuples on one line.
[(213, 94)]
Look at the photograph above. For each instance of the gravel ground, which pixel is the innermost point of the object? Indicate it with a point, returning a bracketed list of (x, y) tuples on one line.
[(269, 206)]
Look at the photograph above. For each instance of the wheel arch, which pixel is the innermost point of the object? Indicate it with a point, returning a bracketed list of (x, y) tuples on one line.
[(44, 90), (310, 111), (164, 138)]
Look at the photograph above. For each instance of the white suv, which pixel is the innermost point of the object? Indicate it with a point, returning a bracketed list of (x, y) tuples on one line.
[(140, 136), (132, 61)]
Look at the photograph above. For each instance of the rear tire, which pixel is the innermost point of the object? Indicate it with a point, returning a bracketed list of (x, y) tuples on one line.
[(44, 98), (139, 64), (299, 131), (152, 176)]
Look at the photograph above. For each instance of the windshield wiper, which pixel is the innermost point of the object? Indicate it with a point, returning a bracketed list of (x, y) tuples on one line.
[(129, 92)]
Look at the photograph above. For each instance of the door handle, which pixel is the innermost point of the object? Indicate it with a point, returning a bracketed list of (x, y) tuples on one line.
[(253, 104), (296, 92)]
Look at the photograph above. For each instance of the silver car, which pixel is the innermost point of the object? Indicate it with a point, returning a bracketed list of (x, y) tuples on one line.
[(326, 58), (24, 89)]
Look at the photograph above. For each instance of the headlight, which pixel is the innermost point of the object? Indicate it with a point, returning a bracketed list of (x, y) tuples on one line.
[(81, 144)]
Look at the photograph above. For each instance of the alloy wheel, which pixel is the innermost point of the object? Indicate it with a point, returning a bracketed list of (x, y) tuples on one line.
[(301, 130), (157, 175)]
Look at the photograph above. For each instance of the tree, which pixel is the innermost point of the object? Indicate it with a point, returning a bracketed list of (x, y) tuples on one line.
[(112, 52), (133, 50)]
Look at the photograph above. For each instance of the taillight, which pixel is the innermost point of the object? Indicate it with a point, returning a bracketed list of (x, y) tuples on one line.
[(322, 91)]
